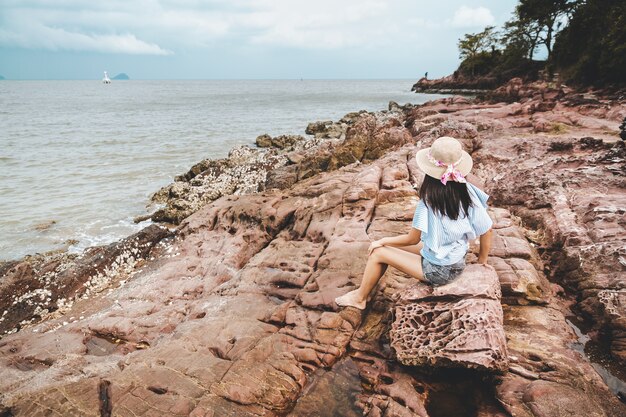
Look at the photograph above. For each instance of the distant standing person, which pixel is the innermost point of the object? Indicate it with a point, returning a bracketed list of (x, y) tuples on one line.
[(426, 75)]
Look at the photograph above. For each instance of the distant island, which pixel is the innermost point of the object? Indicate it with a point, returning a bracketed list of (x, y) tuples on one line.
[(121, 76), (1, 77)]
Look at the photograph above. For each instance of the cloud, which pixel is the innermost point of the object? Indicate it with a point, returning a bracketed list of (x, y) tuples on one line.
[(319, 25), (467, 17), (68, 30), (159, 27), (59, 39)]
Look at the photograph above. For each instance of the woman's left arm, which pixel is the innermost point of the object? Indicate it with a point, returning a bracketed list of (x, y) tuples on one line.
[(412, 238)]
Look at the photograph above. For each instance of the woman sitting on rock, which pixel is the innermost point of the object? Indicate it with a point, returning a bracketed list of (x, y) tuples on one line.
[(451, 212)]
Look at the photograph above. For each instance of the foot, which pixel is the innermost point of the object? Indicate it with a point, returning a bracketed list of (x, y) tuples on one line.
[(351, 299)]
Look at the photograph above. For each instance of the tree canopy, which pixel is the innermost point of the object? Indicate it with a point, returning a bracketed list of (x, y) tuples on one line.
[(584, 40), (591, 50)]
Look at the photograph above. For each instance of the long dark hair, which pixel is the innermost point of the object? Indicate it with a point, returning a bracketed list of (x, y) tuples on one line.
[(445, 199)]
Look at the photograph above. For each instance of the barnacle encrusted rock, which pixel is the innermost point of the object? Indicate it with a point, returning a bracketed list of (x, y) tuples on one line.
[(457, 324), (37, 285)]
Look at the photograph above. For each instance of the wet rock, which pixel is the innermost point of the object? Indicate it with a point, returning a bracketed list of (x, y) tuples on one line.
[(280, 142), (45, 225), (613, 310), (264, 141), (543, 369), (141, 218), (36, 286), (326, 129)]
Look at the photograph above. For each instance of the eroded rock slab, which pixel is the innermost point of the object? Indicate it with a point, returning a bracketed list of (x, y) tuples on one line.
[(458, 324)]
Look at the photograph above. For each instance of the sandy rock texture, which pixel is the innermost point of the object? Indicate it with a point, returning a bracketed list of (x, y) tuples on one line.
[(232, 314)]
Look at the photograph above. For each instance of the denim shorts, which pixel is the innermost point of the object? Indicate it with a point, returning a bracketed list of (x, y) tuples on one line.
[(441, 274)]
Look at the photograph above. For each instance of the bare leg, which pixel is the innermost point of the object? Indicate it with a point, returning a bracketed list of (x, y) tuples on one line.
[(410, 248), (405, 260)]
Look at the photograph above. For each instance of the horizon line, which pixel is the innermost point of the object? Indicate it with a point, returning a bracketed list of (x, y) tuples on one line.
[(209, 79)]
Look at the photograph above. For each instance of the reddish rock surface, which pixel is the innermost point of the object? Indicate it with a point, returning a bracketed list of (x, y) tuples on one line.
[(234, 314)]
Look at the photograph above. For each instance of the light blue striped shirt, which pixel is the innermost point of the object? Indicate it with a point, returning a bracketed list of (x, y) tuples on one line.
[(446, 241)]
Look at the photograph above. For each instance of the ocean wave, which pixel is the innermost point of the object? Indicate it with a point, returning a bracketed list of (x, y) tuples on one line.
[(122, 229)]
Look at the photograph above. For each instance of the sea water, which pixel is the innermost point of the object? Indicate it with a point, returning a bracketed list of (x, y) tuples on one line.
[(80, 159)]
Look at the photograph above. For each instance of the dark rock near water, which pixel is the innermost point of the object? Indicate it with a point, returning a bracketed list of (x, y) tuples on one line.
[(243, 171), (37, 285), (248, 170), (456, 84), (264, 141), (286, 142), (45, 225), (326, 129), (143, 217)]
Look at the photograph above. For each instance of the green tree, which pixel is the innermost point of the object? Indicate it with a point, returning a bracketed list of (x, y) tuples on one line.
[(472, 45), (585, 41), (548, 15), (522, 34), (591, 50)]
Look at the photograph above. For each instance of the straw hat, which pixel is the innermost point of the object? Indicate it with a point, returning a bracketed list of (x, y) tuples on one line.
[(445, 160)]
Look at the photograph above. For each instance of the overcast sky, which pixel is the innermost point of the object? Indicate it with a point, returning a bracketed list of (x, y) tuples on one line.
[(241, 39)]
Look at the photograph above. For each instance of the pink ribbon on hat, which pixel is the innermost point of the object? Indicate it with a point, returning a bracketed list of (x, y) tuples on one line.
[(452, 172)]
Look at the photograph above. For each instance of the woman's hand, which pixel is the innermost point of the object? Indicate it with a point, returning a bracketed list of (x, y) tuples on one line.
[(375, 244)]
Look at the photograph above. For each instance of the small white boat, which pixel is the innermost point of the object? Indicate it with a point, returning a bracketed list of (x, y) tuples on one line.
[(106, 78)]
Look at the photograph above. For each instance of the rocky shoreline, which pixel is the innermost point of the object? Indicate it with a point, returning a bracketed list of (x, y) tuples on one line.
[(456, 84), (229, 310)]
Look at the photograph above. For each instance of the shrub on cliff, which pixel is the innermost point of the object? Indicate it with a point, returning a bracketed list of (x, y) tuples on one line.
[(478, 52), (497, 56)]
